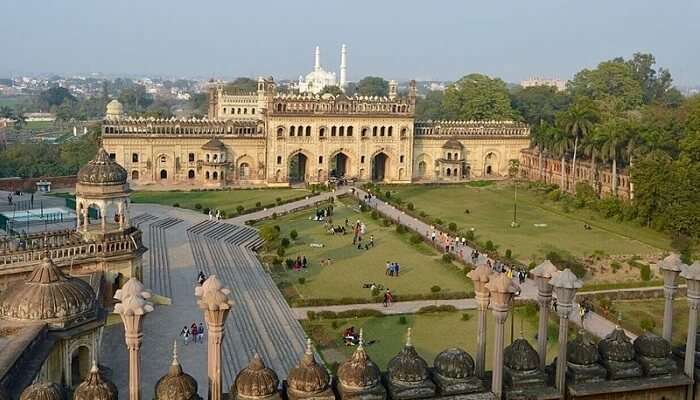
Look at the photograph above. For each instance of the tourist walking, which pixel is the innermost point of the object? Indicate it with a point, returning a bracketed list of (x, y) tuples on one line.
[(185, 333), (388, 298), (200, 333)]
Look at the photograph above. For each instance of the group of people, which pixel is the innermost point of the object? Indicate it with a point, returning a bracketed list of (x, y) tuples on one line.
[(194, 332), (299, 263), (587, 227), (217, 215), (322, 214), (392, 268), (446, 242)]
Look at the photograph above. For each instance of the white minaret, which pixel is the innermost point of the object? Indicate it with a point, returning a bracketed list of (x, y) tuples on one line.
[(343, 66), (317, 64)]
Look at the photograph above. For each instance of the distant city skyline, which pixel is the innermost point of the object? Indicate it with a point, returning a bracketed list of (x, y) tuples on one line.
[(396, 40)]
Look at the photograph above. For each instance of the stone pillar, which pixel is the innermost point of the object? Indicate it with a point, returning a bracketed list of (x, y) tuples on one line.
[(565, 284), (103, 217), (214, 302), (120, 210), (86, 221), (692, 279), (670, 267), (543, 273), (480, 276), (502, 289), (132, 308)]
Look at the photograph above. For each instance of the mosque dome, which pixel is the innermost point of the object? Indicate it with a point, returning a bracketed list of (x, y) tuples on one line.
[(616, 346), (408, 366), (95, 387), (42, 391), (102, 170), (255, 380), (114, 109), (582, 350), (308, 376), (213, 144), (359, 371), (454, 363), (176, 385), (650, 345), (520, 356), (49, 296)]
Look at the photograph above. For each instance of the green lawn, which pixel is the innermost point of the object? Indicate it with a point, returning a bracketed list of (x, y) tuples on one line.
[(491, 212), (633, 312), (431, 333), (224, 200), (421, 266)]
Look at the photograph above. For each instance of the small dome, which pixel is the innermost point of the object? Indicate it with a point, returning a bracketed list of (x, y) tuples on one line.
[(255, 380), (214, 144), (650, 345), (453, 144), (408, 366), (616, 346), (359, 372), (49, 296), (308, 376), (582, 350), (95, 387), (520, 356), (176, 385), (454, 363), (114, 109), (102, 170), (42, 391)]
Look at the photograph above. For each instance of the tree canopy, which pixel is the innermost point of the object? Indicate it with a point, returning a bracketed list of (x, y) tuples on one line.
[(539, 104), (478, 97), (372, 86), (242, 84), (430, 107), (55, 97), (334, 90)]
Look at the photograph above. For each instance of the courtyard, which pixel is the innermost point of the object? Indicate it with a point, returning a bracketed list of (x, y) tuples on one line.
[(543, 225), (422, 270)]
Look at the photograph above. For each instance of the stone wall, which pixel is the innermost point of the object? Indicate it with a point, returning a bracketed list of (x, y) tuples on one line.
[(26, 184)]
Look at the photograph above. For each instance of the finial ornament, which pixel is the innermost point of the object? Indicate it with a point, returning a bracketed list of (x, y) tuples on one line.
[(309, 349), (408, 338), (361, 342), (94, 365), (175, 362)]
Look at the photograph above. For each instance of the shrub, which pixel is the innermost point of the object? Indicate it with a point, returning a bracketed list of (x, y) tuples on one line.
[(489, 246), (270, 234), (387, 194), (375, 292), (554, 195), (469, 235), (176, 205), (435, 288), (647, 324), (205, 210), (416, 238), (280, 251), (374, 214), (274, 215), (294, 234), (197, 206), (440, 308), (466, 317), (386, 222), (403, 320), (284, 242), (437, 221), (277, 261), (278, 200), (452, 227), (422, 214), (364, 207), (289, 262), (301, 280), (509, 253), (615, 266), (311, 315), (645, 272), (448, 258), (334, 324), (400, 229), (409, 206)]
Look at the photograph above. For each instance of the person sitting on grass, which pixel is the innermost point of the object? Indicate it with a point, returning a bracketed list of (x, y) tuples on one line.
[(350, 337)]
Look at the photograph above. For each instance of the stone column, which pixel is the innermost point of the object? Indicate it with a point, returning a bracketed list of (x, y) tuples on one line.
[(565, 284), (543, 273), (103, 218), (214, 302), (120, 210), (502, 289), (692, 279), (670, 267), (132, 308), (480, 276)]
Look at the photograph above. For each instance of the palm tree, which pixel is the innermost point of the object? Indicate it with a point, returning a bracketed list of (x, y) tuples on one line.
[(561, 144), (614, 138), (578, 121), (539, 139), (591, 148)]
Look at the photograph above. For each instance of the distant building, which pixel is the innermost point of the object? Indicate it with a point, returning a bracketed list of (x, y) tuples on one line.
[(557, 83), (316, 80), (40, 117)]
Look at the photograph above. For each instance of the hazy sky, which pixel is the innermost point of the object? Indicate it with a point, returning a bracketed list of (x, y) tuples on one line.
[(422, 39)]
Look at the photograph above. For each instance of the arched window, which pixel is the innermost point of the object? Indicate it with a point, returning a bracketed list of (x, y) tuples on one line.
[(291, 130), (449, 156), (245, 111), (320, 159), (244, 170), (321, 132), (349, 130), (363, 133), (279, 107), (362, 159), (163, 174), (206, 175), (333, 130), (341, 131), (308, 131), (279, 159), (300, 131), (391, 131), (215, 175), (134, 175), (403, 132), (448, 172), (280, 131), (382, 131), (374, 131), (190, 174)]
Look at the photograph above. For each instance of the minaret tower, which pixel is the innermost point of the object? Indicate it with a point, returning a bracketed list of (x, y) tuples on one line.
[(343, 66), (317, 64)]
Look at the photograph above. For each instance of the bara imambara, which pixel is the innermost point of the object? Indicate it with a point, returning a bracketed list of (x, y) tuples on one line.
[(266, 138)]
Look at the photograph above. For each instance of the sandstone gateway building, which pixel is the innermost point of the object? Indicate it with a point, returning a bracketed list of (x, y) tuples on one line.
[(266, 138)]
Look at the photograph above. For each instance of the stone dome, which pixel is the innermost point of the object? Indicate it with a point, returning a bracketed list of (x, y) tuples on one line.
[(520, 356), (454, 363), (255, 380), (453, 144), (650, 345), (214, 144), (115, 109), (176, 385), (582, 350), (102, 170), (359, 371), (49, 296), (616, 346), (42, 391), (308, 376), (408, 366), (95, 387)]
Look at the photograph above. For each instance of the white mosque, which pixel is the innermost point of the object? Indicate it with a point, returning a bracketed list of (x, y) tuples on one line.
[(316, 80)]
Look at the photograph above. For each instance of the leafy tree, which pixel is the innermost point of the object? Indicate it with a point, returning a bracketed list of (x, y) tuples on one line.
[(578, 121), (430, 107), (478, 97), (6, 112), (373, 86), (613, 84), (334, 90), (199, 102), (561, 143), (613, 136), (135, 99), (242, 85), (55, 97), (541, 137), (269, 233), (539, 104), (656, 85)]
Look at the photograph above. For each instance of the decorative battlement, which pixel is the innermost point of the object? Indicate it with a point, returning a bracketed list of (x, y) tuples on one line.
[(181, 126), (471, 128), (308, 103)]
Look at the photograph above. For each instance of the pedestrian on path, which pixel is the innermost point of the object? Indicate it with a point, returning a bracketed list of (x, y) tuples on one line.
[(200, 333), (388, 298), (185, 333)]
